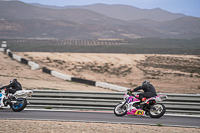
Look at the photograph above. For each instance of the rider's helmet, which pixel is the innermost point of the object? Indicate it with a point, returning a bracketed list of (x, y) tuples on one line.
[(145, 83), (13, 80)]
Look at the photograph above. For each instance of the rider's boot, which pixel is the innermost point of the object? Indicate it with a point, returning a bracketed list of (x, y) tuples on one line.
[(6, 97), (5, 103), (7, 100), (146, 114)]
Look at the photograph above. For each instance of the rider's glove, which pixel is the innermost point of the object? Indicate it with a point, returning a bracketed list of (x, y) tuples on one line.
[(129, 91)]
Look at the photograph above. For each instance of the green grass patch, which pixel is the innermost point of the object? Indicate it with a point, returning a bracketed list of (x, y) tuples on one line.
[(48, 107)]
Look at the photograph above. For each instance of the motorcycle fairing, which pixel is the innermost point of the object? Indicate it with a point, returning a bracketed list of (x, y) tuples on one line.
[(140, 111), (130, 99), (136, 112), (1, 100)]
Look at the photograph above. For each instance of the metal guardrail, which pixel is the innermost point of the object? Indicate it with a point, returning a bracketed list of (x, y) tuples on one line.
[(87, 100)]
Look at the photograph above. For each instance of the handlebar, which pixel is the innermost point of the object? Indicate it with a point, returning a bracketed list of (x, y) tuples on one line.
[(2, 87), (130, 93)]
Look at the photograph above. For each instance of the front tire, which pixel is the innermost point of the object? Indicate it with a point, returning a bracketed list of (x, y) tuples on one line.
[(157, 111), (19, 105), (120, 110)]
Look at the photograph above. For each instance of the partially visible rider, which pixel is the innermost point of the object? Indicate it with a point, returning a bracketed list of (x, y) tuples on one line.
[(148, 88), (149, 91), (12, 87)]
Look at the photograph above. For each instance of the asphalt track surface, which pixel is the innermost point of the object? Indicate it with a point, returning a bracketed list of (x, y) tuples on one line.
[(102, 117)]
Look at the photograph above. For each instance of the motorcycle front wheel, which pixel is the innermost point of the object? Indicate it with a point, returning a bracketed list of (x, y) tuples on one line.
[(120, 110), (19, 105), (157, 110)]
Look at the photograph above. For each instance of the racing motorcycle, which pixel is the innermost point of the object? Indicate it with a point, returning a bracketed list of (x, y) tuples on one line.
[(133, 106), (17, 101)]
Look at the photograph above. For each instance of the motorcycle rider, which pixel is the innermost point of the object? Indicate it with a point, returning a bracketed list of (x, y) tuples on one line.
[(148, 88), (149, 91), (15, 85)]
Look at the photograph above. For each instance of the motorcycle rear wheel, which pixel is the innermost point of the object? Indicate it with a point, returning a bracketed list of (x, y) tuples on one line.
[(119, 110), (19, 105), (157, 111)]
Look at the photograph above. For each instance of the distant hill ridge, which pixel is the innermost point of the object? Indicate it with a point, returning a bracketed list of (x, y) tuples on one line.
[(21, 20), (127, 13), (124, 12)]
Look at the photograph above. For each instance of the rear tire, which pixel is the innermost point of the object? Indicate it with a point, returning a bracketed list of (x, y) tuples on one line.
[(20, 105), (119, 111), (158, 112)]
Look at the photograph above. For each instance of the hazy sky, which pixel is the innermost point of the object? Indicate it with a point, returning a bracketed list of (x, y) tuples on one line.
[(187, 7)]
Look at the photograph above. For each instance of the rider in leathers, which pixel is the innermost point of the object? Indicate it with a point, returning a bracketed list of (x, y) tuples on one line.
[(149, 91), (14, 84)]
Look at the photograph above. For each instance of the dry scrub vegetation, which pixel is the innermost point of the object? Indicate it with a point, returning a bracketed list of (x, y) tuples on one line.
[(168, 73)]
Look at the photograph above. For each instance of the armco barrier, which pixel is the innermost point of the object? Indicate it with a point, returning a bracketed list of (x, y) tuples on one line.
[(76, 100)]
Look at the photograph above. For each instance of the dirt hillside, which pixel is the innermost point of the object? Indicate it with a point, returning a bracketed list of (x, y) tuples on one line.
[(36, 79), (168, 73)]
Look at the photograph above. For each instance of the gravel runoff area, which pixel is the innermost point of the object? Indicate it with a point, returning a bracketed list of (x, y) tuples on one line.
[(34, 126)]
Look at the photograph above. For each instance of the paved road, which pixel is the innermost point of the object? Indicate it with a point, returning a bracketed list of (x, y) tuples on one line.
[(99, 117)]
